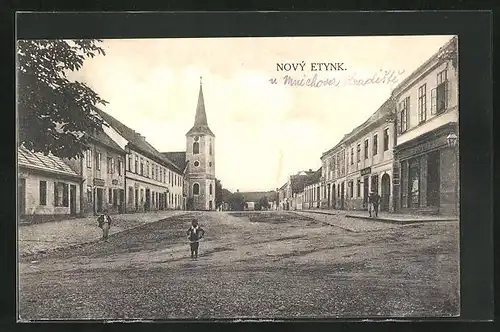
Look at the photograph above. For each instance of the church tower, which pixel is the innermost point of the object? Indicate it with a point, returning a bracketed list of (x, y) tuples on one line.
[(200, 160)]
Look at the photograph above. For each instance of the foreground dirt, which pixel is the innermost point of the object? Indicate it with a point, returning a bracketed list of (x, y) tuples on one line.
[(252, 265)]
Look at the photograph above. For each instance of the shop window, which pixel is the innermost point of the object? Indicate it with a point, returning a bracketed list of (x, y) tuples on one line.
[(414, 184)]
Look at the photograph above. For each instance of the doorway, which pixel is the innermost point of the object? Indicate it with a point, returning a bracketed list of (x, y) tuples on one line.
[(21, 196), (98, 201), (342, 191), (210, 205), (148, 200), (433, 182), (136, 199), (329, 194), (385, 192), (365, 192), (334, 194), (72, 200)]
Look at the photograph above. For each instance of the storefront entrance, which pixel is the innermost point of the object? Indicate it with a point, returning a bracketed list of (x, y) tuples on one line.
[(433, 182), (366, 192), (385, 192)]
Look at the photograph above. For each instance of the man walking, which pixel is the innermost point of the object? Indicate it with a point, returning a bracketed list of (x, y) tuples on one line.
[(195, 233), (376, 203), (104, 221)]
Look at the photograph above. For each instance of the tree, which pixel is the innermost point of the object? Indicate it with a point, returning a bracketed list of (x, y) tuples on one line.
[(218, 193), (237, 202), (55, 114), (264, 202)]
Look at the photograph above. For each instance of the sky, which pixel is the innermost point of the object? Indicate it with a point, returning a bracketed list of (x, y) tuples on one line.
[(264, 131)]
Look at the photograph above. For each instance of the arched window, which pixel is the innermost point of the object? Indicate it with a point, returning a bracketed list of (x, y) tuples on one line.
[(210, 148), (196, 189), (210, 189), (196, 148)]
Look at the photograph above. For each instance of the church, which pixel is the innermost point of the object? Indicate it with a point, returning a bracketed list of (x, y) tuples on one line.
[(198, 161)]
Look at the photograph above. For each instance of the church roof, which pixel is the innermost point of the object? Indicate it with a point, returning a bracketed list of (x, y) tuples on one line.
[(200, 120), (178, 158)]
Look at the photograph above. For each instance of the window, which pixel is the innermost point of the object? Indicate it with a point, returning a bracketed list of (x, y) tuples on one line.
[(142, 166), (43, 192), (366, 149), (88, 157), (351, 189), (358, 187), (153, 171), (196, 148), (110, 196), (161, 174), (375, 145), (210, 164), (352, 156), (136, 168), (196, 163), (98, 161), (169, 177), (422, 103), (386, 139), (130, 163), (157, 174), (210, 189), (442, 91), (61, 194), (147, 169), (196, 189), (110, 166), (119, 167), (359, 152), (210, 148), (403, 115)]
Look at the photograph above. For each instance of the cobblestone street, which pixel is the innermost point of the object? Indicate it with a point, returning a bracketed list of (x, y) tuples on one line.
[(251, 265)]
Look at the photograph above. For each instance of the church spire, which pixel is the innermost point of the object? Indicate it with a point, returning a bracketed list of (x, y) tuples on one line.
[(200, 120)]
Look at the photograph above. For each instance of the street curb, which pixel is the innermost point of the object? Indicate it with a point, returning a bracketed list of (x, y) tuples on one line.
[(326, 222), (77, 245), (400, 221), (320, 212)]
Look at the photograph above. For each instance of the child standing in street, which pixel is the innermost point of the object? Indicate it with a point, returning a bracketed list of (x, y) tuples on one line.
[(104, 221), (195, 233)]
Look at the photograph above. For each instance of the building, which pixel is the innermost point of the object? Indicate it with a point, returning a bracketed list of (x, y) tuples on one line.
[(152, 181), (369, 158), (102, 172), (48, 188), (333, 162), (296, 184), (426, 162), (312, 190), (200, 161), (283, 203)]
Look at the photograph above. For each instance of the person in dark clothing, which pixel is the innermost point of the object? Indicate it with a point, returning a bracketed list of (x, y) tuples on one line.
[(104, 222), (374, 201), (195, 233)]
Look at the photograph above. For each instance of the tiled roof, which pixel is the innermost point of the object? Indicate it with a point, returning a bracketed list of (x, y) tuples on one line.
[(103, 138), (255, 196), (178, 158), (314, 178), (135, 139), (37, 160)]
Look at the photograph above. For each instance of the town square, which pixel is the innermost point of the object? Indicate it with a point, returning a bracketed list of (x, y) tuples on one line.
[(194, 186)]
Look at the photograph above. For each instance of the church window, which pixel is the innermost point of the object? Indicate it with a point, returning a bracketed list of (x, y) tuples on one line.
[(196, 148), (210, 189), (196, 189), (196, 138), (210, 148), (196, 163)]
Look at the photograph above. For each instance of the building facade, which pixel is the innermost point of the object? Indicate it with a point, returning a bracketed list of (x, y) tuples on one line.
[(48, 188), (426, 162), (312, 191), (200, 161), (152, 182)]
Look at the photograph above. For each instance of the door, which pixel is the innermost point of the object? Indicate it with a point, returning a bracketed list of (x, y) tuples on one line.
[(98, 201), (366, 192), (122, 200), (329, 194), (148, 200), (137, 199), (342, 195), (21, 196), (72, 199), (385, 192), (433, 182), (210, 205), (334, 198)]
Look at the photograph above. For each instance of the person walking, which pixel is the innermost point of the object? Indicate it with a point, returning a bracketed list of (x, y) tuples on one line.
[(104, 222), (376, 203), (194, 234)]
